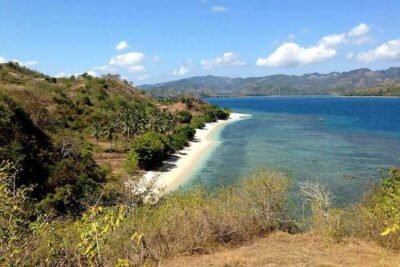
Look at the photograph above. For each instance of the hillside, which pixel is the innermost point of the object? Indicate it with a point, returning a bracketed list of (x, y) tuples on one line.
[(66, 137), (386, 89), (335, 83)]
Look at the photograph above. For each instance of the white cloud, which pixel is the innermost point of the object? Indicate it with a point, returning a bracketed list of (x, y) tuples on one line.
[(92, 73), (128, 59), (143, 77), (122, 45), (104, 68), (66, 75), (333, 40), (27, 63), (291, 36), (219, 9), (387, 51), (227, 59), (360, 30), (137, 69), (61, 75), (181, 71), (292, 55)]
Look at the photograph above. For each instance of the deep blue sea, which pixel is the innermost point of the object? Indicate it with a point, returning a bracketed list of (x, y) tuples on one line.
[(341, 142)]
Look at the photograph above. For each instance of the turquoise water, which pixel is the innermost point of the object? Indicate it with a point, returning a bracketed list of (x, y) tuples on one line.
[(341, 142)]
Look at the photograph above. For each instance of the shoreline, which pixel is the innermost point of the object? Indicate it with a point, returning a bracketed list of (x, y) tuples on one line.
[(177, 170)]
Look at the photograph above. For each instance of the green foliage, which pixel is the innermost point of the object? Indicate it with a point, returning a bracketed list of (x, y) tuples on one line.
[(93, 227), (184, 117), (379, 214), (198, 122), (131, 163), (181, 137), (151, 149), (14, 216), (376, 218)]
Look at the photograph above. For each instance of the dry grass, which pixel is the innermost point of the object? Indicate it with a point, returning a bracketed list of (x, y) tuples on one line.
[(283, 249)]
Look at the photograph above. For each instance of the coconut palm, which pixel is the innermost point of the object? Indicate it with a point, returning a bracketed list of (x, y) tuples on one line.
[(97, 134)]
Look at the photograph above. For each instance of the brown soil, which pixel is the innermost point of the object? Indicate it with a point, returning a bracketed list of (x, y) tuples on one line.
[(282, 249)]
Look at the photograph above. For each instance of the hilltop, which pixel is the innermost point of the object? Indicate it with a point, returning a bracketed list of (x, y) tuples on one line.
[(334, 83)]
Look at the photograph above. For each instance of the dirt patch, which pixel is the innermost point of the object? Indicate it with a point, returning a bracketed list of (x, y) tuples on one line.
[(283, 249)]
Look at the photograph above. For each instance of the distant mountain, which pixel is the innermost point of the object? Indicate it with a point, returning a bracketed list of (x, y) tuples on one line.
[(334, 83)]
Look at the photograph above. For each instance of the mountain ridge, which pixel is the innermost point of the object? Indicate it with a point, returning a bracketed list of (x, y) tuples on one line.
[(333, 83)]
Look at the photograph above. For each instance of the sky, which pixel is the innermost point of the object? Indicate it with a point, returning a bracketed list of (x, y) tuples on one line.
[(148, 41)]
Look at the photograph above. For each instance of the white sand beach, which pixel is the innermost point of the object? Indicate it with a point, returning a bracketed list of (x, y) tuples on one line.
[(179, 168)]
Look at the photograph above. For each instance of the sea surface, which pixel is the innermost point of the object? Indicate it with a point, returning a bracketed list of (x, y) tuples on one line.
[(341, 142)]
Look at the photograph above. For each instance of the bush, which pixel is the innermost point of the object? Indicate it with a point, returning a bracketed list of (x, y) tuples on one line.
[(150, 149), (181, 137), (131, 163), (378, 216), (184, 117), (198, 122)]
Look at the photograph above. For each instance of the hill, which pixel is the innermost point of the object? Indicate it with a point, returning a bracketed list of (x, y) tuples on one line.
[(386, 89), (65, 137), (335, 83)]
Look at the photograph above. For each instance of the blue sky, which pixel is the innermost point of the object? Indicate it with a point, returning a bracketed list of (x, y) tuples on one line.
[(167, 40)]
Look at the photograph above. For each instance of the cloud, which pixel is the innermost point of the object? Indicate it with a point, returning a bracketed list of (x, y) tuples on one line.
[(104, 68), (62, 75), (181, 71), (387, 51), (122, 45), (128, 59), (227, 59), (137, 69), (291, 54), (292, 36), (92, 73), (219, 9), (27, 63), (333, 40), (361, 30), (143, 77)]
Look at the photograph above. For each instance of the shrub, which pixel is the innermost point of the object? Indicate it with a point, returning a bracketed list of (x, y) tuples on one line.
[(184, 117), (378, 216), (131, 163), (181, 137), (150, 149), (198, 122)]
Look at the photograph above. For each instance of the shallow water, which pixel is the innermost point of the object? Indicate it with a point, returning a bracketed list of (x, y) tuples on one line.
[(343, 142)]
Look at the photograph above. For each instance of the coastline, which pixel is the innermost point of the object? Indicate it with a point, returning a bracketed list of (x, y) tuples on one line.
[(177, 170)]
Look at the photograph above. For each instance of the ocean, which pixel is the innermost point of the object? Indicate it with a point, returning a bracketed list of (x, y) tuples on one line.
[(344, 143)]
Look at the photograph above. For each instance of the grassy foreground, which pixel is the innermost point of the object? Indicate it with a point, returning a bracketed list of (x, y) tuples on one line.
[(133, 233)]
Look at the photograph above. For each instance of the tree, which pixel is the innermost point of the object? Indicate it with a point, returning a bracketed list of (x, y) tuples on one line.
[(97, 134), (151, 149), (110, 133)]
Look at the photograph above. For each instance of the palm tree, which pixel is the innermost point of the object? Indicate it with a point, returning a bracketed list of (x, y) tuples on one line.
[(97, 134), (110, 134)]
